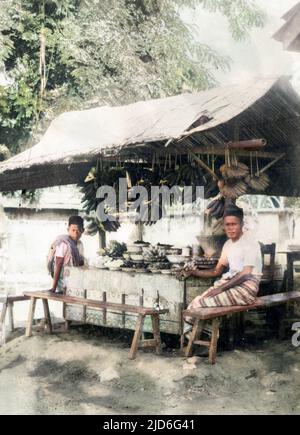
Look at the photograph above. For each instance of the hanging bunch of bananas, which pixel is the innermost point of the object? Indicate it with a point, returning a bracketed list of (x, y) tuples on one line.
[(188, 174), (152, 212), (99, 175), (211, 189), (216, 208), (96, 226)]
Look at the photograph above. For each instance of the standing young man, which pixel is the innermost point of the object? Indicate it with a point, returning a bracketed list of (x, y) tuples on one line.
[(67, 250), (242, 255)]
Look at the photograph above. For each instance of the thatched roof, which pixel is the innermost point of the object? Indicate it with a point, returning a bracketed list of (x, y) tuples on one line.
[(262, 108), (289, 33)]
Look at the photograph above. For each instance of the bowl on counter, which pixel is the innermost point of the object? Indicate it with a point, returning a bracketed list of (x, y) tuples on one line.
[(136, 257), (176, 259), (174, 251), (134, 249)]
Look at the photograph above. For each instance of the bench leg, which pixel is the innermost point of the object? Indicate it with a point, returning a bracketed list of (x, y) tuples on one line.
[(67, 325), (214, 341), (156, 332), (47, 316), (137, 336), (30, 317), (2, 324), (196, 331), (11, 316)]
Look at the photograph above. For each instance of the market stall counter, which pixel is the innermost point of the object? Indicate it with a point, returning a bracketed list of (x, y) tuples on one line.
[(133, 288)]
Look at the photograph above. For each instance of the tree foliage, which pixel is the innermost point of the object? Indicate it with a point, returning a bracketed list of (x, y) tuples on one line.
[(102, 52)]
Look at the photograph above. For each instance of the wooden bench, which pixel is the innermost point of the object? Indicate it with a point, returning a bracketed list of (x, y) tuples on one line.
[(203, 314), (8, 305), (142, 312)]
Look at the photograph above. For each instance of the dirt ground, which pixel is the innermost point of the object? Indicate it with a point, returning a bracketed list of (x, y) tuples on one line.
[(86, 373)]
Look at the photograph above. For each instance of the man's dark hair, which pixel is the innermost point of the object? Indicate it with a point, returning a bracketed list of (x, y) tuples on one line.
[(233, 210), (76, 220)]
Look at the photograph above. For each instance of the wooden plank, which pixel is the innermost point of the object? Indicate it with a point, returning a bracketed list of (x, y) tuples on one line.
[(30, 317), (11, 298), (136, 337), (264, 301), (202, 343), (220, 151), (148, 343), (92, 303)]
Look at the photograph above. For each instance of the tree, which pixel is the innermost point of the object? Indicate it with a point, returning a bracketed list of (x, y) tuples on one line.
[(71, 54)]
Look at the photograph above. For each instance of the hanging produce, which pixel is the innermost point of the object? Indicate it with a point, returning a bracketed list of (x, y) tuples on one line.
[(258, 182), (216, 208), (236, 170), (233, 188)]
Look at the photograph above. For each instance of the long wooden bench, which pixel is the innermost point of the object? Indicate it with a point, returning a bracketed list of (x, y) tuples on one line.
[(201, 315), (8, 305), (142, 312)]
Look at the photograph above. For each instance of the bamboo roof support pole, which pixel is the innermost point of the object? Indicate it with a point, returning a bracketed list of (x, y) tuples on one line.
[(268, 166), (203, 165)]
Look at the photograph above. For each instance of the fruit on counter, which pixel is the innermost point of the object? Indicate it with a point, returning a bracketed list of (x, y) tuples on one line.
[(154, 255), (196, 263), (116, 249), (114, 263)]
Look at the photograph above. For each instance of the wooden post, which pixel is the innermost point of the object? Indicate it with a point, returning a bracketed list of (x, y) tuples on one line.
[(156, 332), (2, 324), (30, 317), (141, 305), (123, 312), (104, 309), (84, 307), (290, 272), (102, 239), (11, 316)]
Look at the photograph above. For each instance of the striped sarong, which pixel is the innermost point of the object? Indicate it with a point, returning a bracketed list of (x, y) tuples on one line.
[(243, 294)]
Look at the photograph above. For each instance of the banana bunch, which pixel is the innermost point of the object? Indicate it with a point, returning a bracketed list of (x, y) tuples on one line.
[(216, 208), (218, 227), (89, 201), (211, 190), (94, 226), (188, 174)]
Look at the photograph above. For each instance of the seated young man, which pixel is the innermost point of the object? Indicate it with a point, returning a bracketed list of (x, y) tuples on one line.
[(67, 250), (242, 255)]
